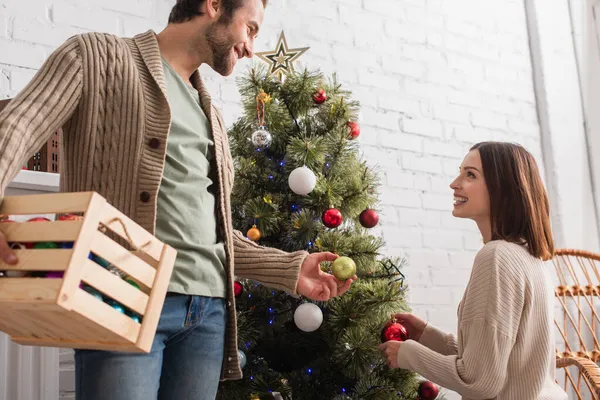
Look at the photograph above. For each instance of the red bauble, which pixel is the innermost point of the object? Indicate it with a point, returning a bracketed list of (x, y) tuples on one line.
[(354, 128), (428, 390), (394, 331), (368, 218), (237, 289), (332, 218), (70, 217), (319, 96), (38, 219)]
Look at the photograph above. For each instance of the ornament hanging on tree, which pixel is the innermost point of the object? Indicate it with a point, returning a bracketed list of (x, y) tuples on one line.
[(308, 317), (353, 129), (319, 97), (428, 390), (302, 181), (238, 289), (261, 138), (242, 358), (394, 331), (332, 217), (343, 268), (253, 234), (368, 218)]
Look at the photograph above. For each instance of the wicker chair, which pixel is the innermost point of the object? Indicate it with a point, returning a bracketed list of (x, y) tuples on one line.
[(578, 322)]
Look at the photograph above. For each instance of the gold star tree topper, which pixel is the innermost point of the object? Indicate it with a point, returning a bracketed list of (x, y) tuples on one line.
[(281, 59)]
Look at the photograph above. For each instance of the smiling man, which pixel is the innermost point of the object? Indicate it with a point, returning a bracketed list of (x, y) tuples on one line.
[(139, 128)]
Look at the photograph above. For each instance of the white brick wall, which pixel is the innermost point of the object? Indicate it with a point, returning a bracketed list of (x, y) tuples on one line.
[(433, 77)]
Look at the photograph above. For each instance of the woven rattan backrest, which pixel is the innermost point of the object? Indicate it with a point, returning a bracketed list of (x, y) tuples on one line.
[(577, 317)]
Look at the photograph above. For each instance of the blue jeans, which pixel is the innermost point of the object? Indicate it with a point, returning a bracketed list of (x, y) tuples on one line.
[(184, 363)]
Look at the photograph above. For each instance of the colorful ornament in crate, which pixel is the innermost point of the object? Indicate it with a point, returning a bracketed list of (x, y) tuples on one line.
[(70, 217), (302, 181), (368, 218), (253, 234), (94, 292), (308, 317), (394, 330), (45, 245), (332, 217), (428, 390), (116, 305), (343, 268)]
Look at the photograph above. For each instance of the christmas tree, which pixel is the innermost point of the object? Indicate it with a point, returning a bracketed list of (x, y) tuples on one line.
[(301, 184)]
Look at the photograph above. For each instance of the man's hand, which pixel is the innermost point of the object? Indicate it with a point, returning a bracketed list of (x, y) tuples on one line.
[(316, 284), (390, 350), (6, 253)]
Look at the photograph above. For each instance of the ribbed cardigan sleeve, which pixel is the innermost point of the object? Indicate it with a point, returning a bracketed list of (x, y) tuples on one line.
[(490, 318), (271, 267), (41, 108), (439, 341)]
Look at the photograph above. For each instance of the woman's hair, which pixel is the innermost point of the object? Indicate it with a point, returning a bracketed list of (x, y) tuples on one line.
[(519, 206)]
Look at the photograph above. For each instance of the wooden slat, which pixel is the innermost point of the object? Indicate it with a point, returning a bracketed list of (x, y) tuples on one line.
[(51, 231), (29, 290), (122, 258), (139, 236), (146, 258), (73, 344), (46, 203), (104, 315), (40, 260), (115, 287), (157, 298), (81, 251)]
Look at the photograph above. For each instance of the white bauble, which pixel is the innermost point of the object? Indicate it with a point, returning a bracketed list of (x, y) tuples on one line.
[(308, 317), (302, 181)]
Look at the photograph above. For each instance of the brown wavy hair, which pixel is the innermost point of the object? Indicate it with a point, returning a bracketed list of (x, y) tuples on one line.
[(185, 10), (519, 206)]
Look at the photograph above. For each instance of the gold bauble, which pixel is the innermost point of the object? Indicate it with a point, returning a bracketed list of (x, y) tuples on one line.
[(253, 233)]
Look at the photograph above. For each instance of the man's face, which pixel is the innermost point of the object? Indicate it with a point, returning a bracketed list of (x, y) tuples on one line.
[(232, 38)]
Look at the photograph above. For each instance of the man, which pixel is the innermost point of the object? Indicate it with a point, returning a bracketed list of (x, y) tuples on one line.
[(140, 129)]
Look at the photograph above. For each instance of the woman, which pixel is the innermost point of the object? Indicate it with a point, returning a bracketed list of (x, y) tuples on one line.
[(505, 344)]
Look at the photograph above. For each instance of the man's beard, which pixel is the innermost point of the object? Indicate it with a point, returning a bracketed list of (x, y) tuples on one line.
[(220, 44)]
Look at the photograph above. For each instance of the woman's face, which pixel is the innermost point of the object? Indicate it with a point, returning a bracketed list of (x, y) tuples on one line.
[(471, 196)]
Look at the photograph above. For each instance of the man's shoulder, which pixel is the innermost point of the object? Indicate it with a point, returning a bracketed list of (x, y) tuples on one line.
[(102, 40)]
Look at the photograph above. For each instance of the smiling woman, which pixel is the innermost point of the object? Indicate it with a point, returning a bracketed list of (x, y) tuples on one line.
[(504, 348)]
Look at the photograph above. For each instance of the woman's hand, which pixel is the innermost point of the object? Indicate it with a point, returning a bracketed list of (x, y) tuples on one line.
[(413, 324)]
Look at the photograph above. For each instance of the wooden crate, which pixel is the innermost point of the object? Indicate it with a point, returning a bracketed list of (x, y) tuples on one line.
[(90, 306)]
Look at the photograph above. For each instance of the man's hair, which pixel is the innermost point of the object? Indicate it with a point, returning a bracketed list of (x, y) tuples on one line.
[(185, 10), (519, 206)]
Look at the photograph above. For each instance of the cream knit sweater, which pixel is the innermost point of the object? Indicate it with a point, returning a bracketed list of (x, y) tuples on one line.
[(505, 347)]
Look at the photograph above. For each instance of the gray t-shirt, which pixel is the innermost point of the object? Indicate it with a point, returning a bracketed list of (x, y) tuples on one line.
[(186, 218)]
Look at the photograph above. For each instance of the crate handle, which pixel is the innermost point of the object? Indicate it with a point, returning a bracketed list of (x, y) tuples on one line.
[(129, 239)]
